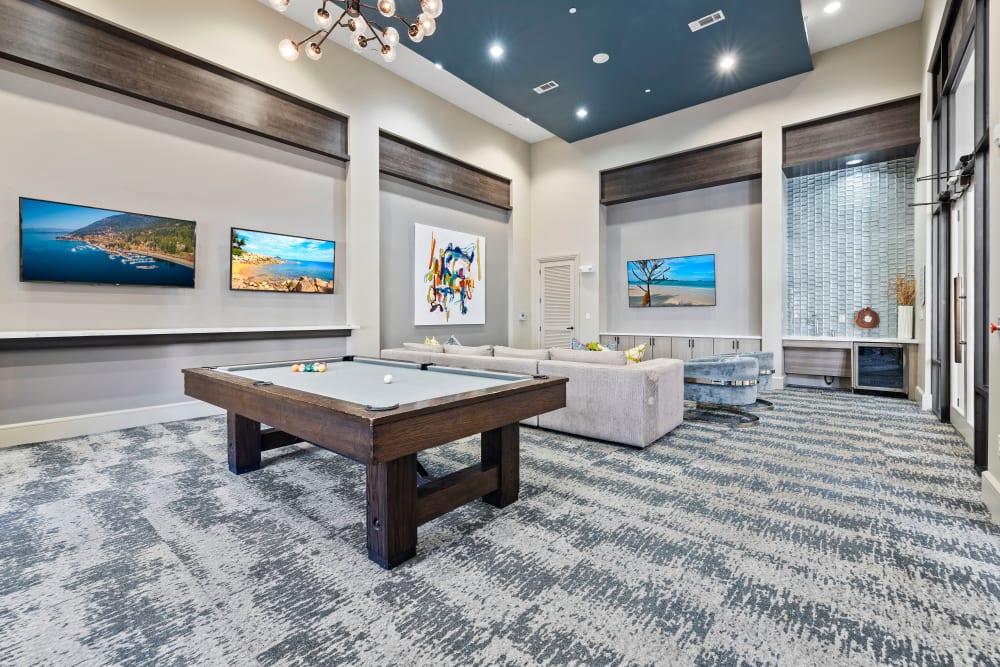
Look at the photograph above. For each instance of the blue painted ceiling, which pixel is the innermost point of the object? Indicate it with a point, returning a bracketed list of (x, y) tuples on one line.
[(650, 46)]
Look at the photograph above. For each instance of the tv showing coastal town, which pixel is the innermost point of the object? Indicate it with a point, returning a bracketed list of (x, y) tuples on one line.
[(269, 262), (671, 281), (82, 244)]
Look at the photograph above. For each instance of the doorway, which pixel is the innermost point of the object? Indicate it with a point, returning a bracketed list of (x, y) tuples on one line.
[(557, 303), (962, 413)]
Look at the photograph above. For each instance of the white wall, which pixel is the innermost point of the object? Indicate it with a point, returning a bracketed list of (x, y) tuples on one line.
[(991, 478), (78, 147), (724, 221), (565, 195), (242, 35), (72, 143), (403, 204)]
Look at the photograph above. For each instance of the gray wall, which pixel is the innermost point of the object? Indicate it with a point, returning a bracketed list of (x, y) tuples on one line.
[(401, 205), (69, 143), (849, 231), (723, 220)]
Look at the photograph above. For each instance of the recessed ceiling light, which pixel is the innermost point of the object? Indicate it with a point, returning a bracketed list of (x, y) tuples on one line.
[(581, 112), (727, 62), (496, 51), (601, 58), (438, 65), (649, 90), (572, 10), (832, 8), (851, 163)]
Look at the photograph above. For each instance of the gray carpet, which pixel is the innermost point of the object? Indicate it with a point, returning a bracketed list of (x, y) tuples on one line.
[(842, 531)]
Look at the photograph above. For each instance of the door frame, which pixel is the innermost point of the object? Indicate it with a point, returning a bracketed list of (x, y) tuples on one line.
[(574, 279)]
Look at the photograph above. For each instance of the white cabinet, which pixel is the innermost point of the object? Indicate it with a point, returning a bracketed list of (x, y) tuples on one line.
[(659, 348), (687, 348), (620, 342), (730, 345)]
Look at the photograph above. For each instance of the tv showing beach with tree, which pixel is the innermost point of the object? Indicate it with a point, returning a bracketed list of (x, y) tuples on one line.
[(266, 262), (671, 281), (81, 244)]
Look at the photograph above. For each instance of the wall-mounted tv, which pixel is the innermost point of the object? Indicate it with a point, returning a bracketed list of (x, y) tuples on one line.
[(81, 244), (268, 262), (671, 281)]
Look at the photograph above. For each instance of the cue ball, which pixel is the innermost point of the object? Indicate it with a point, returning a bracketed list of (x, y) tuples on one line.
[(387, 379)]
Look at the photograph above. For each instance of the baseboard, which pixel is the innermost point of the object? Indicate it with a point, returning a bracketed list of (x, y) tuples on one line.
[(926, 401), (777, 382), (98, 422), (991, 494)]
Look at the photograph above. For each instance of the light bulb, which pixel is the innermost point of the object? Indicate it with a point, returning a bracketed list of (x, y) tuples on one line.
[(323, 18), (358, 25), (313, 51), (427, 24), (358, 41), (289, 50), (387, 7), (416, 33), (388, 53), (432, 8), (280, 5), (391, 36)]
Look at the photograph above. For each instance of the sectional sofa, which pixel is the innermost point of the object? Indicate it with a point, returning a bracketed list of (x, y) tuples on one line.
[(606, 398)]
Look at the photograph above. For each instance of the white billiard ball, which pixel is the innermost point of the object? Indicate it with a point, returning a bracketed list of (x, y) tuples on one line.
[(387, 379)]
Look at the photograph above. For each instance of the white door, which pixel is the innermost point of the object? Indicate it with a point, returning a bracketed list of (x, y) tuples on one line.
[(962, 298), (557, 304)]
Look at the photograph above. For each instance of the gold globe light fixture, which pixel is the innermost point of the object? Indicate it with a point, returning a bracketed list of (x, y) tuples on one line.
[(364, 30)]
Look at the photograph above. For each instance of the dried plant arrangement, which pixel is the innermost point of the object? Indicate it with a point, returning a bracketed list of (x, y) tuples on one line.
[(903, 288)]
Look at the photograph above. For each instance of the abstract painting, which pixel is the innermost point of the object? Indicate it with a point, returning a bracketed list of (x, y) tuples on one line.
[(671, 281), (449, 277)]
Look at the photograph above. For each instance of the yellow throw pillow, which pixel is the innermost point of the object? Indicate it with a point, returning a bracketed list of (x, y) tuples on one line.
[(634, 355), (431, 341)]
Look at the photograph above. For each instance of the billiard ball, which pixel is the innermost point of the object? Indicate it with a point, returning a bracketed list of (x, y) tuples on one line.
[(387, 379), (296, 368)]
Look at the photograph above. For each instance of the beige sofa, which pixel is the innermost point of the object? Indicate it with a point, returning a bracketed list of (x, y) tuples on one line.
[(633, 404)]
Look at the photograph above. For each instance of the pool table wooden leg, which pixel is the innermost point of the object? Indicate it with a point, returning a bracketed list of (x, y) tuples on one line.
[(392, 511), (501, 447), (244, 444)]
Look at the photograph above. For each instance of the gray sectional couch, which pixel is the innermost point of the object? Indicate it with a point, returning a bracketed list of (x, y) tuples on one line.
[(631, 404)]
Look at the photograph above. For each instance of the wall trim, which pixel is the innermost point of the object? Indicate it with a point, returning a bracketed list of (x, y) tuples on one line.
[(991, 495), (99, 422), (926, 400)]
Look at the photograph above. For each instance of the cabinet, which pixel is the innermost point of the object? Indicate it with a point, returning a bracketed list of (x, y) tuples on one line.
[(685, 348), (730, 345), (620, 342)]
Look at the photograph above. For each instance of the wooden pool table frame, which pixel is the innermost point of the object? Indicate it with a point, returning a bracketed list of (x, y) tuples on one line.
[(386, 442)]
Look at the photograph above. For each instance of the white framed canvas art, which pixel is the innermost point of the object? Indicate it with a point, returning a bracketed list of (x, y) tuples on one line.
[(449, 277)]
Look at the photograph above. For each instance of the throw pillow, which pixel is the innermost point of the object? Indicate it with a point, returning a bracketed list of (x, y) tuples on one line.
[(518, 353), (431, 341), (479, 351), (634, 355), (575, 344), (423, 347), (608, 357), (452, 341)]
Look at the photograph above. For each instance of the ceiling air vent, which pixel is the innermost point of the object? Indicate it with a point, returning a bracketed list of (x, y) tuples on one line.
[(706, 21), (546, 87)]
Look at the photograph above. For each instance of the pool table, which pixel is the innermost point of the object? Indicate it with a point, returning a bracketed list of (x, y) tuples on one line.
[(351, 410)]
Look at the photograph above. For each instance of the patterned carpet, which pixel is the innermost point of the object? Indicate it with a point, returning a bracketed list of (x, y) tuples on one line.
[(842, 530)]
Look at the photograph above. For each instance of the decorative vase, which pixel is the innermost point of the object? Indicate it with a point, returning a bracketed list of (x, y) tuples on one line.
[(904, 322)]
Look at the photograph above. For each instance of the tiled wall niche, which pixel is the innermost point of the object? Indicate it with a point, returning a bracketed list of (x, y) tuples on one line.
[(848, 232)]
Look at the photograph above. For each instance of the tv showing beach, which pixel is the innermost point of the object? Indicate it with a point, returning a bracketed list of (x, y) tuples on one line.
[(267, 262), (81, 244), (671, 281)]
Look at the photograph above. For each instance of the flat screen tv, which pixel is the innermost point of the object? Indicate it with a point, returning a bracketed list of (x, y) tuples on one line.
[(671, 281), (268, 262), (69, 243)]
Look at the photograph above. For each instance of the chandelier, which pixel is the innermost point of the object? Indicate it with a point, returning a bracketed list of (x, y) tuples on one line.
[(364, 31)]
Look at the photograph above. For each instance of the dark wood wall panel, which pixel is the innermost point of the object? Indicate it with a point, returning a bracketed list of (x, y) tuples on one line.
[(418, 164), (61, 40), (729, 162), (892, 128)]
